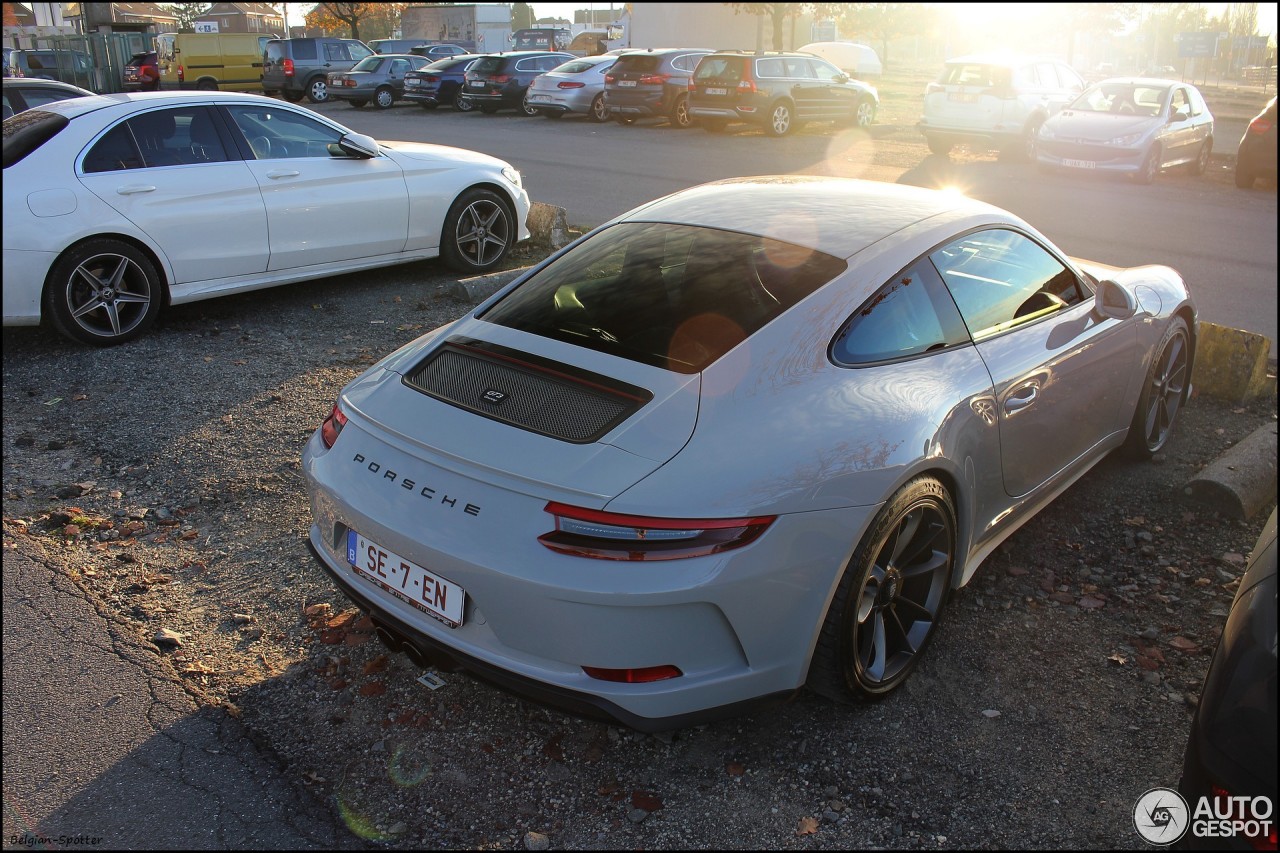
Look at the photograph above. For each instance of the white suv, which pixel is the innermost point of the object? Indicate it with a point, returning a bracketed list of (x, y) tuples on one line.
[(995, 102)]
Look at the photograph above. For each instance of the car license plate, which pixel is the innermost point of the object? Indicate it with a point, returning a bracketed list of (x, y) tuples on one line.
[(476, 85), (412, 83), (433, 595), (539, 97), (962, 97), (711, 90), (626, 82), (1080, 164)]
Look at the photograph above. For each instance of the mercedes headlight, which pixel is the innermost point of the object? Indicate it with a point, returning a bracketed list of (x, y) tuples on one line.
[(512, 175)]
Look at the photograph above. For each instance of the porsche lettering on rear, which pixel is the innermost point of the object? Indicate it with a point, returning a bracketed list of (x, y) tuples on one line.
[(445, 500)]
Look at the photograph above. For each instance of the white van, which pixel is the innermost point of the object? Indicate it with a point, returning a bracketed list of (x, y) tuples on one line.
[(856, 60)]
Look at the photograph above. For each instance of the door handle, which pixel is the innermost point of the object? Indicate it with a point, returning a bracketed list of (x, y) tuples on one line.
[(1022, 398), (282, 173), (135, 188)]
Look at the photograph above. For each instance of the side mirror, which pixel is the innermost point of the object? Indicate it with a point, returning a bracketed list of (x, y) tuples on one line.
[(1113, 302), (1181, 114), (359, 145)]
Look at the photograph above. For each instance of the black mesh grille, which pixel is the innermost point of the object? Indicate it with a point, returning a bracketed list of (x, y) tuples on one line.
[(527, 394)]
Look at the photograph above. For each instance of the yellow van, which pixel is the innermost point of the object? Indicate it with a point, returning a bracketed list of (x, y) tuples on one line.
[(231, 62)]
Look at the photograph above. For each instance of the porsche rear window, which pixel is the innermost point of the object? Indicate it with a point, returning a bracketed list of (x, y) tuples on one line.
[(673, 296)]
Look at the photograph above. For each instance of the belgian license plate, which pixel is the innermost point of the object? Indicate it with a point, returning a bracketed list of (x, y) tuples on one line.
[(1080, 164), (412, 83), (433, 595), (711, 90), (626, 82), (476, 85), (539, 97), (962, 98)]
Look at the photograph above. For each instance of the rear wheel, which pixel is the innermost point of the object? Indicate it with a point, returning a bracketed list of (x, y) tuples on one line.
[(890, 598), (680, 113), (1163, 393), (318, 91), (103, 292), (1245, 176), (599, 109), (462, 103), (479, 230), (781, 122), (939, 145), (384, 98)]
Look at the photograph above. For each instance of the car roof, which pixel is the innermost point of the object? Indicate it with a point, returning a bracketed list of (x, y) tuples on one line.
[(1000, 59), (79, 106), (839, 216), (41, 83)]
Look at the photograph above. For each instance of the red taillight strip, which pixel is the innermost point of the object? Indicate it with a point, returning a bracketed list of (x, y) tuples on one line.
[(332, 426), (640, 675), (713, 535), (648, 522)]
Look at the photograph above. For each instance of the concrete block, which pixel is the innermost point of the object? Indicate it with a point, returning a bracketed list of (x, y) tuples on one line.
[(1242, 481), (480, 287), (549, 224), (1231, 364)]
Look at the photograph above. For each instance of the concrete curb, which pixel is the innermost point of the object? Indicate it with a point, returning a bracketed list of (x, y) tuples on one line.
[(1241, 482)]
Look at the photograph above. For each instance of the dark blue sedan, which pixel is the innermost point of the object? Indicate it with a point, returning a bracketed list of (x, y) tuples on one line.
[(440, 83)]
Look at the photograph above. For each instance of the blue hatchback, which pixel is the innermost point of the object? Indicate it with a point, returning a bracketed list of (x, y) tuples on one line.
[(440, 83)]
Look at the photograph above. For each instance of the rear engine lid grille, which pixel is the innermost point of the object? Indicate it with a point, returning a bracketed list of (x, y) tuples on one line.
[(525, 391)]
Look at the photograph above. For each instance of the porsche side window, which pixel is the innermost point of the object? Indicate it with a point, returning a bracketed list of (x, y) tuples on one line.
[(1001, 279), (910, 315)]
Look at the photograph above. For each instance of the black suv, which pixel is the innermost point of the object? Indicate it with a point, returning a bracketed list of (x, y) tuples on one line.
[(499, 80), (292, 68), (778, 91), (652, 84)]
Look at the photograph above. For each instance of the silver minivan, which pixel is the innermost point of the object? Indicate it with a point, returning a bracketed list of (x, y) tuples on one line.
[(995, 102)]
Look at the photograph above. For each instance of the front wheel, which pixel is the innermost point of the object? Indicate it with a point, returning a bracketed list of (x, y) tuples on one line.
[(479, 230), (890, 598), (599, 109), (1150, 166), (318, 91), (384, 98), (780, 121), (1163, 393), (865, 113), (103, 292)]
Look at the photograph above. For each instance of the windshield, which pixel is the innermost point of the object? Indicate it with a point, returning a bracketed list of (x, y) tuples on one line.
[(1121, 99), (672, 296)]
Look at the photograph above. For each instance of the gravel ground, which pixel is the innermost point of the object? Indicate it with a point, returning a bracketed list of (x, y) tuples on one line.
[(1059, 689)]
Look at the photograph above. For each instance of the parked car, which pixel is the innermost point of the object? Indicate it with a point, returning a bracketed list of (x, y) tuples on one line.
[(576, 86), (292, 68), (1132, 126), (21, 93), (142, 74), (1231, 751), (438, 51), (238, 192), (995, 102), (776, 91), (378, 78), (1256, 156), (856, 60), (499, 81), (634, 399), (228, 62), (394, 45), (652, 84), (68, 66), (441, 82)]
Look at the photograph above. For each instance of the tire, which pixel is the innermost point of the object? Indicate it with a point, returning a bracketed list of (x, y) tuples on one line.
[(680, 113), (528, 110), (103, 292), (383, 98), (1201, 163), (890, 597), (292, 97), (865, 113), (357, 103), (1150, 167), (479, 230), (599, 109), (1245, 176), (940, 145), (781, 120), (713, 125), (318, 91), (462, 103), (207, 86), (1164, 392)]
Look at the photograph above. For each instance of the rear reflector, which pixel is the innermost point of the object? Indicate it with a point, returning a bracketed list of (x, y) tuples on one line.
[(570, 84), (643, 675)]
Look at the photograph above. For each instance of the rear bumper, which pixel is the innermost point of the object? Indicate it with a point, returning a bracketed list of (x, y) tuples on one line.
[(987, 138)]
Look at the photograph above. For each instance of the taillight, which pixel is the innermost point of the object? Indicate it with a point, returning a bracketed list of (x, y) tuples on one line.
[(614, 536), (609, 78), (654, 78), (1259, 831), (570, 84), (182, 73), (640, 675), (287, 64), (747, 85), (500, 78), (332, 426), (431, 78), (934, 88), (1259, 125)]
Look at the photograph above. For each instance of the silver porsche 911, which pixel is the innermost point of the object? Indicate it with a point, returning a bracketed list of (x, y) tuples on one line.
[(740, 440)]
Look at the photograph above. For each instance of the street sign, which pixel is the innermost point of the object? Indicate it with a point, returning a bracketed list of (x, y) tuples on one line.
[(1197, 44), (205, 26)]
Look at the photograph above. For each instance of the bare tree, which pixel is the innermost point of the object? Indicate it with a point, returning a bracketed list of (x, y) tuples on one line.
[(186, 13), (779, 12), (886, 21)]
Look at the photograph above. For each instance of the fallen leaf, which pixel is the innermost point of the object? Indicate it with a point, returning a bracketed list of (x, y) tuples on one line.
[(807, 826), (373, 688), (1118, 659), (735, 768), (376, 665), (646, 801)]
